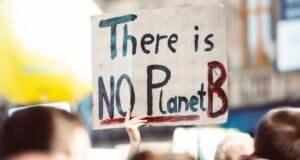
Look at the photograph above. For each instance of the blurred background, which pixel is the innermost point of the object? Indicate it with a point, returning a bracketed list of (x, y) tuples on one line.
[(45, 56)]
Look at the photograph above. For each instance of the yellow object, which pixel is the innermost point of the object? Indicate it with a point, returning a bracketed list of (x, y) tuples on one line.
[(29, 78)]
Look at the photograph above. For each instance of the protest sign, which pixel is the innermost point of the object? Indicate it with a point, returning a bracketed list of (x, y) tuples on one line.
[(170, 64)]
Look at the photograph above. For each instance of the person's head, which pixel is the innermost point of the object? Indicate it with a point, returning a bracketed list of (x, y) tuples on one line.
[(144, 155), (233, 146), (148, 155), (43, 130), (278, 135)]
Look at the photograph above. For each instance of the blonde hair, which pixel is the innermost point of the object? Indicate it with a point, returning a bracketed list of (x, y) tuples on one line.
[(233, 146)]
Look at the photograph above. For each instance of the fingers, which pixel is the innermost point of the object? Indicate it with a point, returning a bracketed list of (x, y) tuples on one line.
[(128, 114), (140, 121), (143, 125), (140, 117)]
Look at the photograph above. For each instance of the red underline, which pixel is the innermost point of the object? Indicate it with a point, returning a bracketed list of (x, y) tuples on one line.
[(157, 119)]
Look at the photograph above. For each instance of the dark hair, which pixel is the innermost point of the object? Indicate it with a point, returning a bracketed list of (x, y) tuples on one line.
[(144, 155), (38, 128), (148, 155), (278, 135)]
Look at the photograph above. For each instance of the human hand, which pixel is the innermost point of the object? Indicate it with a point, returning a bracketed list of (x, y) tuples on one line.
[(132, 126)]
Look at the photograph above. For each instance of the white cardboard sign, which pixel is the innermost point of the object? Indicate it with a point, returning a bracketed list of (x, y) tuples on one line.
[(170, 64)]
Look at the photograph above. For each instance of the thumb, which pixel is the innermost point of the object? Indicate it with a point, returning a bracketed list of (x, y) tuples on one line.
[(128, 114)]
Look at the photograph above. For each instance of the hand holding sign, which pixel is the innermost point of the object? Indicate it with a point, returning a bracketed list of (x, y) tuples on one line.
[(132, 126)]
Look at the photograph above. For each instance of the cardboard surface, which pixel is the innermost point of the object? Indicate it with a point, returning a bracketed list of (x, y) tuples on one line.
[(170, 64)]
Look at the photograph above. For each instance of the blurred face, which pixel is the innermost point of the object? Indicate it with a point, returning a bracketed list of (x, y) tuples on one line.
[(33, 156), (78, 147)]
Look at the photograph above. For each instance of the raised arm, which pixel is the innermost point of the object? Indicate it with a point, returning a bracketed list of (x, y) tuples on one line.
[(132, 126)]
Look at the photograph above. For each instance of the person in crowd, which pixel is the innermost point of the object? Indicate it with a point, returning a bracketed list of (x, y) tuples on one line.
[(144, 155), (277, 136), (147, 155), (233, 146), (132, 125), (43, 133)]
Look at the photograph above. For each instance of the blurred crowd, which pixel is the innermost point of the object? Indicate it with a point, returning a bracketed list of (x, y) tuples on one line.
[(48, 133)]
